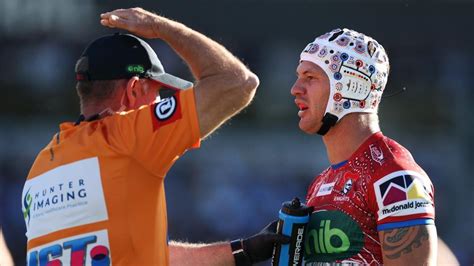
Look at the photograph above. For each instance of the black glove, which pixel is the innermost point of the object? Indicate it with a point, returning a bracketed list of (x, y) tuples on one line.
[(258, 247)]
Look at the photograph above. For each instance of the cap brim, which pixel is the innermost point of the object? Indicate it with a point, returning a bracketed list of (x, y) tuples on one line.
[(171, 81)]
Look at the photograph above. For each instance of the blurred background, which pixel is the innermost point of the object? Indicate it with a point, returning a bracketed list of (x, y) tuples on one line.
[(235, 184)]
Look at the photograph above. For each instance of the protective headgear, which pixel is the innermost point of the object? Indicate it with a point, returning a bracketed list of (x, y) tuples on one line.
[(357, 67)]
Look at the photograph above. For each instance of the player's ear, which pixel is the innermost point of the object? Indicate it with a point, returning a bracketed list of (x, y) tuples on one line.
[(131, 91)]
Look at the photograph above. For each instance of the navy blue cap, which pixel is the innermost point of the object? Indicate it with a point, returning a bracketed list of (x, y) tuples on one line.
[(122, 56)]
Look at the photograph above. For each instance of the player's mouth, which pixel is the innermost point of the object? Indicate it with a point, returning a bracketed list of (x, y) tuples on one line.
[(302, 107)]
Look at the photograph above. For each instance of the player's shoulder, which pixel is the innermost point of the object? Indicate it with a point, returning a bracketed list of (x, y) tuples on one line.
[(394, 161), (384, 151), (385, 156), (399, 186)]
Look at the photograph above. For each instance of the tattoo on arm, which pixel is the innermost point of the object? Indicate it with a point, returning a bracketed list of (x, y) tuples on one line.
[(400, 241)]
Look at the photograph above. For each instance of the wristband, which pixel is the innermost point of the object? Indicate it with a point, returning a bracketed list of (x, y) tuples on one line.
[(240, 257)]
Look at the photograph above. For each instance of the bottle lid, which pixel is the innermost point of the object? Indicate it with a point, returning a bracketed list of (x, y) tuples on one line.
[(295, 208)]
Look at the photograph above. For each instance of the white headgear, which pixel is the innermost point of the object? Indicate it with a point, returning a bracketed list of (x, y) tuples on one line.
[(357, 67)]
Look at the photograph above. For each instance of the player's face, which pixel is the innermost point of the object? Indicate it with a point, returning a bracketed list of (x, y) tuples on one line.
[(311, 91)]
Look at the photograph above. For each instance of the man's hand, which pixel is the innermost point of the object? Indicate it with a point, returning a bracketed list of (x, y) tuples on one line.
[(260, 246), (135, 20)]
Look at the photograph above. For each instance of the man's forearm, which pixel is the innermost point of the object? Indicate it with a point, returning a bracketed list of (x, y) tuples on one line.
[(224, 85), (200, 254), (204, 56)]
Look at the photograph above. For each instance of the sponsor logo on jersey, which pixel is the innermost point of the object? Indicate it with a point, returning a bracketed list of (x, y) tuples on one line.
[(66, 196), (403, 193), (331, 236), (166, 111), (341, 198), (325, 189), (347, 187), (376, 154), (86, 249)]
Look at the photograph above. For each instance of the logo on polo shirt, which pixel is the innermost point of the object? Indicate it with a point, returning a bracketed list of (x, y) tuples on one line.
[(66, 196), (87, 249), (165, 108), (166, 111)]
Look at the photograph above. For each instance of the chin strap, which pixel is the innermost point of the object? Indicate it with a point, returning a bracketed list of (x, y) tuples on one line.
[(329, 120)]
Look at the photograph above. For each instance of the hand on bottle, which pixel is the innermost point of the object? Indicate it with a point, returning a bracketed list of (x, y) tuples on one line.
[(135, 20), (260, 246)]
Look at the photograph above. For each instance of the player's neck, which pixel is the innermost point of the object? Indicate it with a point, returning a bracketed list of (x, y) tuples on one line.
[(345, 137)]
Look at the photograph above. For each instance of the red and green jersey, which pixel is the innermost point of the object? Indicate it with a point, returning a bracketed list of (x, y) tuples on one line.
[(380, 187)]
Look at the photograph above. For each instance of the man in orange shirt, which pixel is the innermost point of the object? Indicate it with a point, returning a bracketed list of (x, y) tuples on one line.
[(95, 194)]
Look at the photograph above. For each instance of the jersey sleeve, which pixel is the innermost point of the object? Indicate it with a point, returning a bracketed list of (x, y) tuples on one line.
[(402, 198), (159, 133)]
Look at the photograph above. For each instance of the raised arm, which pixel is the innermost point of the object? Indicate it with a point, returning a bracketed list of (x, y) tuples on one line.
[(414, 245), (223, 87)]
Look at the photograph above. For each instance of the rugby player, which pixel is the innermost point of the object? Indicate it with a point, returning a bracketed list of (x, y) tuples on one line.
[(374, 204)]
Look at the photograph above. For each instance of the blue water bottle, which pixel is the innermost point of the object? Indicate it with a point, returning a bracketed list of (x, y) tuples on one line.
[(294, 216)]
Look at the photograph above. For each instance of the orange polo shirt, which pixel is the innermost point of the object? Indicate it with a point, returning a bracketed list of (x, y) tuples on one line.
[(95, 194)]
